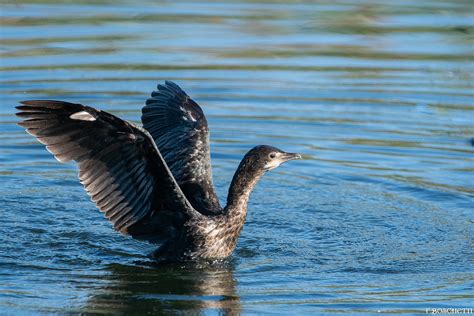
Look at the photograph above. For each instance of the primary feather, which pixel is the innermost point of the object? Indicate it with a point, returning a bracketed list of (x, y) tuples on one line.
[(119, 164), (180, 130)]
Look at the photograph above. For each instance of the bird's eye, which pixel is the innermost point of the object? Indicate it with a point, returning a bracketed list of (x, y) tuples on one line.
[(272, 155)]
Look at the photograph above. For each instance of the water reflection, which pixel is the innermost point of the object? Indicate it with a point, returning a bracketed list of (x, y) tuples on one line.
[(164, 288)]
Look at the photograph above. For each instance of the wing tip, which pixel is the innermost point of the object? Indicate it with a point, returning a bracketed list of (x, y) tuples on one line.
[(24, 102), (29, 105), (33, 103), (172, 84), (23, 123), (171, 87), (25, 106)]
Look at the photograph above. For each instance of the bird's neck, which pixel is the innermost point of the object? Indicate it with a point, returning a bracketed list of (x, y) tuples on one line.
[(243, 182)]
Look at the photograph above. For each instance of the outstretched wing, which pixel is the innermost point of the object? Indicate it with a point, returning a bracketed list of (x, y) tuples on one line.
[(179, 128), (120, 166)]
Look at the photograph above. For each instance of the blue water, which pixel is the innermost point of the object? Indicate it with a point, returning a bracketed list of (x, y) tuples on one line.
[(377, 96)]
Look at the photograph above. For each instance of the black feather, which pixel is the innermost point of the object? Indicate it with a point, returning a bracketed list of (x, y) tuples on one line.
[(120, 167), (180, 130)]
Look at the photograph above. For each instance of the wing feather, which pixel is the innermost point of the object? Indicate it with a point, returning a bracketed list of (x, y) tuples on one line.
[(180, 130), (119, 164)]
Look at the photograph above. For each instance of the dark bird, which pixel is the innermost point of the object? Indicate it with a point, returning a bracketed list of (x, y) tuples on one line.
[(153, 183)]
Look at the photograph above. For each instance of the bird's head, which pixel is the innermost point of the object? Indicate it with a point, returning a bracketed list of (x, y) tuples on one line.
[(266, 158), (252, 167)]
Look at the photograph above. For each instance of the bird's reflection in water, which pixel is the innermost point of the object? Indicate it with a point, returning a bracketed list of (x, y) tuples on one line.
[(168, 289)]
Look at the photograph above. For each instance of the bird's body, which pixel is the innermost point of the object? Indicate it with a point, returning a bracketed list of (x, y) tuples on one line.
[(153, 183)]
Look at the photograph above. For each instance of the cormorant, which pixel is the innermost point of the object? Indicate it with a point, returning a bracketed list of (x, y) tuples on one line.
[(153, 183)]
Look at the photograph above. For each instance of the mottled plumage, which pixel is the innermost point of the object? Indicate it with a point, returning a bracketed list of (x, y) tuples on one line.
[(153, 183)]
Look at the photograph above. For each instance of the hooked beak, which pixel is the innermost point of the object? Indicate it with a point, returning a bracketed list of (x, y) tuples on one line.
[(290, 156)]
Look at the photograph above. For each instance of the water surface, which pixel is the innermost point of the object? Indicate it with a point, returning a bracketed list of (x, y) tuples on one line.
[(377, 96)]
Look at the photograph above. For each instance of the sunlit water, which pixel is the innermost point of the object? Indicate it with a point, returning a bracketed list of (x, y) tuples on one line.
[(378, 97)]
